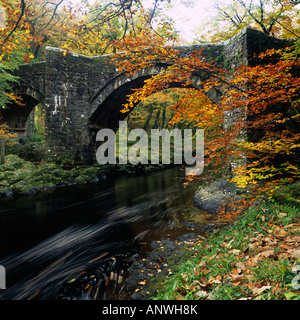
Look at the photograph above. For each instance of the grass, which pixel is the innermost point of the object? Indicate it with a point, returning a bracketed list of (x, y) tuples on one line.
[(254, 258)]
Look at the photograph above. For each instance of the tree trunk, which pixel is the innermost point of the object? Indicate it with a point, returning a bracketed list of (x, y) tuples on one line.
[(2, 150), (148, 118)]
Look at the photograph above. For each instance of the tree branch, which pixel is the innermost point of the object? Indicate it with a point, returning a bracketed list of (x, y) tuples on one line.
[(23, 5)]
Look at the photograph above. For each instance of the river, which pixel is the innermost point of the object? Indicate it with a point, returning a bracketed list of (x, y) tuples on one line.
[(50, 239)]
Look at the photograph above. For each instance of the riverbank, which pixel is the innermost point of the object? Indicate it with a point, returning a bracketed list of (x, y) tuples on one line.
[(19, 177), (254, 258)]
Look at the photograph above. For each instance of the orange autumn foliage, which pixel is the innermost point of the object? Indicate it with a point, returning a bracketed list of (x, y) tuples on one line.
[(263, 141)]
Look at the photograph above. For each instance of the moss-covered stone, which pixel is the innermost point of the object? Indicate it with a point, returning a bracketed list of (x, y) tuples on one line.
[(21, 177), (12, 162), (79, 180), (23, 188), (46, 167)]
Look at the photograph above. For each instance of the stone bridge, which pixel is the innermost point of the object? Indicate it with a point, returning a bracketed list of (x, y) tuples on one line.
[(84, 94)]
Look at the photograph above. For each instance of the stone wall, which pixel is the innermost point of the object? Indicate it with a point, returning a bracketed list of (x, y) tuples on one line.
[(84, 94), (31, 88)]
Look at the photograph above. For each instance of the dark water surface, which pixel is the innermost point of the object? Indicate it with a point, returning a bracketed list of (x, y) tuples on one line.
[(93, 231)]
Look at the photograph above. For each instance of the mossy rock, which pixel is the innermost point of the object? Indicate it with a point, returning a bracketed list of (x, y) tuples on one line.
[(6, 192), (4, 184), (46, 179), (12, 162), (28, 167), (63, 176), (67, 177), (5, 175), (88, 174), (92, 172), (90, 178), (47, 167), (24, 188), (24, 173), (79, 180)]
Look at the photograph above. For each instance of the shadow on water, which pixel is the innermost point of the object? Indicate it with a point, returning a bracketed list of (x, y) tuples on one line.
[(90, 234)]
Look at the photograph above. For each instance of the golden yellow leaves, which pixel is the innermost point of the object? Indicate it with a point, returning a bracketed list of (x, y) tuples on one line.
[(274, 144), (15, 40), (15, 98), (265, 95), (5, 132), (271, 145)]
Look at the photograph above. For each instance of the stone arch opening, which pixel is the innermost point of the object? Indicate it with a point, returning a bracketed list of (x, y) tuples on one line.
[(108, 102), (107, 107), (15, 115)]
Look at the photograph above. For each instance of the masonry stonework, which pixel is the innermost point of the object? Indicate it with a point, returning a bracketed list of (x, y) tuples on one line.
[(84, 94)]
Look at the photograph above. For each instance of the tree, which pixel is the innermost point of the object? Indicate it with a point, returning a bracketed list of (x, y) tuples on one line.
[(267, 93), (273, 17), (45, 18), (273, 121), (14, 42), (157, 111), (93, 29)]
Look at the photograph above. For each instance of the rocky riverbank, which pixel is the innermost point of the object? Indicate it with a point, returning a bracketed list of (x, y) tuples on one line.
[(146, 275), (213, 196), (254, 258)]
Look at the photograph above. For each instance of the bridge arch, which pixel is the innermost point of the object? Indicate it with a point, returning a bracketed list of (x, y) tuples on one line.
[(23, 90), (16, 115), (84, 94), (107, 103)]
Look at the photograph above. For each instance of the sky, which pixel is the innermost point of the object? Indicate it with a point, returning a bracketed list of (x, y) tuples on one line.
[(186, 18), (187, 14)]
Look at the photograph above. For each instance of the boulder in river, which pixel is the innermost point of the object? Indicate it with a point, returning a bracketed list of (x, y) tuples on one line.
[(214, 196)]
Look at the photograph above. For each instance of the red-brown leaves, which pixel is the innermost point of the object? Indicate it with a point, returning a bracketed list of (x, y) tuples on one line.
[(263, 99)]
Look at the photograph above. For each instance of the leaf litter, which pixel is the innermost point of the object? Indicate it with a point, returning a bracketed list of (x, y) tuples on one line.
[(254, 268)]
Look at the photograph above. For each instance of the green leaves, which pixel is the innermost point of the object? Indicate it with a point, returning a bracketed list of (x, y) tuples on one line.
[(6, 80)]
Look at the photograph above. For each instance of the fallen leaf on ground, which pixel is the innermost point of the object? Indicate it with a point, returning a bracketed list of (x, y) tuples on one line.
[(295, 254), (237, 271), (280, 233), (185, 277), (267, 254), (235, 251), (257, 291), (282, 214), (212, 257), (202, 264), (241, 266), (236, 278), (192, 287), (201, 294)]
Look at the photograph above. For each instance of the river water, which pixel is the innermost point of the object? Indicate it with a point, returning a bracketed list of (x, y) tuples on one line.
[(91, 233)]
